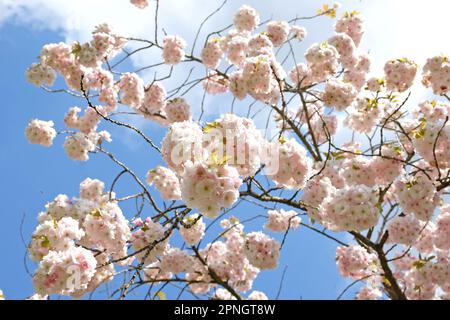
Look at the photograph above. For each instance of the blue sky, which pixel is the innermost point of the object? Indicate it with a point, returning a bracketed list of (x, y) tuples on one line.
[(33, 175)]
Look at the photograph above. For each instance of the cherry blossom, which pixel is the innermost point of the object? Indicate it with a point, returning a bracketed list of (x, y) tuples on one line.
[(436, 73), (278, 32), (63, 272), (193, 229), (261, 250), (173, 50), (399, 74), (281, 221), (166, 181), (212, 53), (246, 19), (354, 261), (40, 132)]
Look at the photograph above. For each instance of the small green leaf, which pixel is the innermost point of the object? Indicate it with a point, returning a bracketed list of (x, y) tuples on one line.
[(161, 295), (45, 242)]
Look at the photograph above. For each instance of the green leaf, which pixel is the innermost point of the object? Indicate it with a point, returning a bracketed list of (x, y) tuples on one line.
[(161, 295), (45, 242)]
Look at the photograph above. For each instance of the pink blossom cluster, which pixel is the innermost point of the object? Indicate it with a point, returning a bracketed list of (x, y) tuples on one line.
[(209, 188), (363, 115), (182, 143), (355, 261), (417, 195), (299, 32), (257, 74), (259, 44), (92, 189), (369, 293), (404, 229), (67, 235), (281, 220), (289, 166), (350, 167), (149, 241), (212, 53), (441, 234), (246, 19), (108, 230), (432, 142), (261, 250), (215, 83), (375, 84), (257, 71), (432, 111), (399, 74), (87, 55), (322, 61), (193, 229), (79, 145), (323, 125), (173, 49), (352, 24), (227, 259), (40, 132), (313, 115), (357, 76), (60, 58), (104, 272), (431, 138), (166, 182), (425, 243), (436, 74), (64, 272), (178, 110), (388, 166), (351, 208), (358, 170), (39, 74), (300, 75), (176, 261), (154, 100), (236, 140), (424, 279), (237, 85), (347, 50), (154, 273), (86, 123), (339, 94), (54, 236), (235, 44), (81, 66), (278, 32), (257, 295), (331, 170), (106, 42), (76, 61), (348, 35), (132, 90), (224, 294), (314, 193)]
